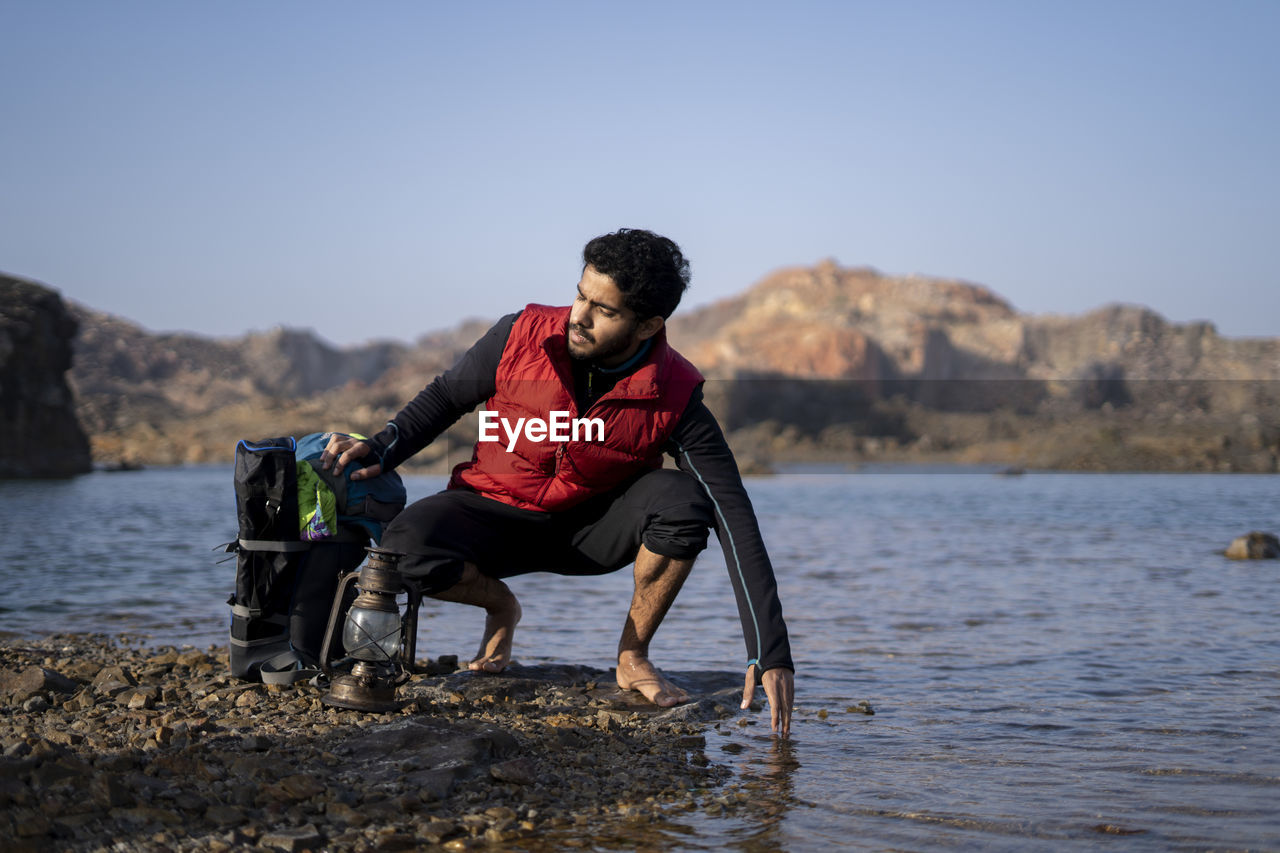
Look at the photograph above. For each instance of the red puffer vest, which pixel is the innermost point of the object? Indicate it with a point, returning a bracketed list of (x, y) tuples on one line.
[(534, 380)]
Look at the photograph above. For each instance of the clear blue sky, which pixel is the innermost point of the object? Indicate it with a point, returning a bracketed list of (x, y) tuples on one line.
[(384, 169)]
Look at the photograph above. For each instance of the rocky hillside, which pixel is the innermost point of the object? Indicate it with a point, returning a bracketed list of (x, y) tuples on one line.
[(836, 363), (811, 363), (174, 398), (828, 322), (123, 373), (39, 433)]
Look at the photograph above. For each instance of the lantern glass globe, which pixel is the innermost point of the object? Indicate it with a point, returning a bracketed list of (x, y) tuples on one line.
[(372, 635)]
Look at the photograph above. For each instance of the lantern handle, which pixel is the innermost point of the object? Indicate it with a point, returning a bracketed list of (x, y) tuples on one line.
[(409, 629), (335, 616)]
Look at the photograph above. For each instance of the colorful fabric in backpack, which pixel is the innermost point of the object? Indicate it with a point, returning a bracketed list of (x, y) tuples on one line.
[(326, 501), (317, 505)]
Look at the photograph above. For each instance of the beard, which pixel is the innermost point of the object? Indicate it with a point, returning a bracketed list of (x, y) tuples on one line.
[(595, 351)]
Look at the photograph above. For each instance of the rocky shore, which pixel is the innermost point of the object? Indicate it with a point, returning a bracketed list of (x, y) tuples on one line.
[(113, 746)]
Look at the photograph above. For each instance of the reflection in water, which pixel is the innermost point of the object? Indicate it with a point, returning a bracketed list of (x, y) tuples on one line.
[(767, 777)]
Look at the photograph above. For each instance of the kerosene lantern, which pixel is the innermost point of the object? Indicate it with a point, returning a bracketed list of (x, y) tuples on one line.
[(380, 642)]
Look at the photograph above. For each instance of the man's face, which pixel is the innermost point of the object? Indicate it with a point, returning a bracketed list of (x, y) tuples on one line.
[(601, 328)]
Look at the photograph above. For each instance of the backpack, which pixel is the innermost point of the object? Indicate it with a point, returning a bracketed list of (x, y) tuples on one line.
[(300, 530)]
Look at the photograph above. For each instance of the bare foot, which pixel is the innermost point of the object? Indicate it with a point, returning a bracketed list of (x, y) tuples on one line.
[(499, 632), (635, 672)]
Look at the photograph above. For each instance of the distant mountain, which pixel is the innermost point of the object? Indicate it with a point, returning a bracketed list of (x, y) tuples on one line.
[(819, 362), (166, 398), (121, 367), (831, 362), (828, 322)]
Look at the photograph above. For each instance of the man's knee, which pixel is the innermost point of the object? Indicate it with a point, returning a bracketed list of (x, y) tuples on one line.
[(679, 517), (429, 555), (413, 528), (398, 534), (667, 487)]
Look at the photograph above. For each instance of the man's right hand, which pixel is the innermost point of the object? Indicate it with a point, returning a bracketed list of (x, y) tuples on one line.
[(341, 451), (780, 689)]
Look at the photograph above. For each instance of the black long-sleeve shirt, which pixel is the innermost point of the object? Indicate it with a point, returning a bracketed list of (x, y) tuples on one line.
[(697, 445)]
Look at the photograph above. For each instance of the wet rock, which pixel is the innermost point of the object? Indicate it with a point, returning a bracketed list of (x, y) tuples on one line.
[(1112, 829), (36, 704), (437, 783), (16, 748), (517, 771), (18, 687), (191, 802), (224, 815), (443, 665), (146, 816), (1254, 546), (345, 814), (110, 791), (441, 753), (701, 710), (439, 827), (28, 824), (293, 839), (63, 737), (80, 702), (192, 659), (79, 669), (392, 841), (112, 681), (48, 774), (300, 786), (503, 814), (255, 743), (115, 675), (138, 698)]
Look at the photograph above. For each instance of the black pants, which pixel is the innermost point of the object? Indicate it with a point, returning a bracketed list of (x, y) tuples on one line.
[(665, 510)]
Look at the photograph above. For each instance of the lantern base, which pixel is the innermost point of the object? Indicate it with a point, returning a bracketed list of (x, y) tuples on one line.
[(362, 691), (346, 692)]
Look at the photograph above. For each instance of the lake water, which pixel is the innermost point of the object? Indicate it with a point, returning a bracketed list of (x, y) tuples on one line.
[(1055, 660)]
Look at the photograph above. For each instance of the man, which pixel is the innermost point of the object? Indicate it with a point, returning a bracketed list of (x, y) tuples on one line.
[(580, 405)]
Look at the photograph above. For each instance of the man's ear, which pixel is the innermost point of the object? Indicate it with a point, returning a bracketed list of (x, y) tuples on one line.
[(648, 328)]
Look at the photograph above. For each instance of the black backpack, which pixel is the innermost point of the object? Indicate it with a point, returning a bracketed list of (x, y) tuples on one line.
[(285, 585)]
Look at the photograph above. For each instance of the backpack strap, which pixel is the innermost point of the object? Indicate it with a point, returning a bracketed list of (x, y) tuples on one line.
[(273, 545), (286, 668)]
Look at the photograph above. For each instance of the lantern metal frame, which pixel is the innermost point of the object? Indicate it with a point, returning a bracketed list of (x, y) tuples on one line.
[(371, 686)]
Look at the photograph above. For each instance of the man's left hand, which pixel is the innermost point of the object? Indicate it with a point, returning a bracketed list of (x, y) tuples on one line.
[(780, 688), (341, 451)]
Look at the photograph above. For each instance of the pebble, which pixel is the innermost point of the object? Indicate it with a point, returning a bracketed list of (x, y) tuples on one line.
[(345, 814), (295, 839), (35, 704), (518, 771)]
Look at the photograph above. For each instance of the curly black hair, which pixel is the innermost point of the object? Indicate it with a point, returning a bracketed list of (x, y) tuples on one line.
[(649, 269)]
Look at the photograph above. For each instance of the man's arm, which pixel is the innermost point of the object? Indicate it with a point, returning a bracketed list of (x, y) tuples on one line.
[(435, 408), (700, 449)]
